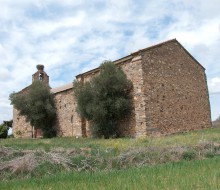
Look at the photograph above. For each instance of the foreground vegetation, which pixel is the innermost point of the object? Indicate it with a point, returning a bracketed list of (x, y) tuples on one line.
[(203, 174), (4, 127), (180, 161), (182, 139)]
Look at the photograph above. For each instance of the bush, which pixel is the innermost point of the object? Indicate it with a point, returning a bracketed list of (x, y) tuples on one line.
[(11, 136), (3, 131), (210, 154), (189, 155), (19, 133)]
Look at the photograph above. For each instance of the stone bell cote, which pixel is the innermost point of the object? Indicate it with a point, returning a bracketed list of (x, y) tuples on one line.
[(40, 75)]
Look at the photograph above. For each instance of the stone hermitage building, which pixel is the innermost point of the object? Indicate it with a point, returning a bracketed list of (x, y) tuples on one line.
[(170, 95)]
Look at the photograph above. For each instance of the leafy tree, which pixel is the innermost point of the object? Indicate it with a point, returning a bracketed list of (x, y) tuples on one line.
[(4, 127), (3, 131), (8, 123), (38, 106), (105, 100)]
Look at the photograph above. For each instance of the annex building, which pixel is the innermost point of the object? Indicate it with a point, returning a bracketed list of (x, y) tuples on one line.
[(170, 95)]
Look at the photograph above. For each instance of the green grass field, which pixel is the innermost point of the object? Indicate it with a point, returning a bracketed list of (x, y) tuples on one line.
[(191, 138), (144, 163), (203, 174)]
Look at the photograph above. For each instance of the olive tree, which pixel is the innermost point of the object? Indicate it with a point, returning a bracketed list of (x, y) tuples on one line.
[(105, 100), (38, 106)]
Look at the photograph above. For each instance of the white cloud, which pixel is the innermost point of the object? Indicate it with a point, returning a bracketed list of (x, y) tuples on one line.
[(47, 27), (206, 33), (214, 85), (5, 74)]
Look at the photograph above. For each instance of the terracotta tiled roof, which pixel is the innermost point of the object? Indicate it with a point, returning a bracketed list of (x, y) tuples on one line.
[(62, 88)]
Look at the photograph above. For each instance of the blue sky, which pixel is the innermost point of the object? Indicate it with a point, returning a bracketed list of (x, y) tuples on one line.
[(72, 36)]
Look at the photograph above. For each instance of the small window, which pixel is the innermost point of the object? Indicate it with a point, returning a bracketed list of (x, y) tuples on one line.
[(41, 76), (72, 119)]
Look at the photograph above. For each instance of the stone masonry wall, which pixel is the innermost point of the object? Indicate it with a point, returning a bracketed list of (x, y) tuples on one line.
[(135, 125), (175, 90), (68, 121), (21, 128)]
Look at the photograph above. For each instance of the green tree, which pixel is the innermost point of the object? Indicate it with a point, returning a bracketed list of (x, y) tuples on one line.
[(3, 131), (8, 123), (105, 100), (38, 106)]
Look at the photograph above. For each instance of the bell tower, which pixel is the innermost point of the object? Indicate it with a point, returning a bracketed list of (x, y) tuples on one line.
[(40, 75)]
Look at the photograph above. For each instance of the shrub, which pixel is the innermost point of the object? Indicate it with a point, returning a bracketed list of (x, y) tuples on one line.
[(3, 131), (209, 154), (189, 155), (11, 136), (19, 133)]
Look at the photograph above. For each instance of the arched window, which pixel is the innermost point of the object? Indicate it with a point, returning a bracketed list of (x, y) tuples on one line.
[(41, 76)]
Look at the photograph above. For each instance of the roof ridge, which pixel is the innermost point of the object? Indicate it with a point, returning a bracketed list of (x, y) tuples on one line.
[(62, 88), (117, 61), (156, 45), (129, 56)]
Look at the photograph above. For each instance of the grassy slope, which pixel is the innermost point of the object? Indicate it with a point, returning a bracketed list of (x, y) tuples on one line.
[(203, 174), (191, 138)]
